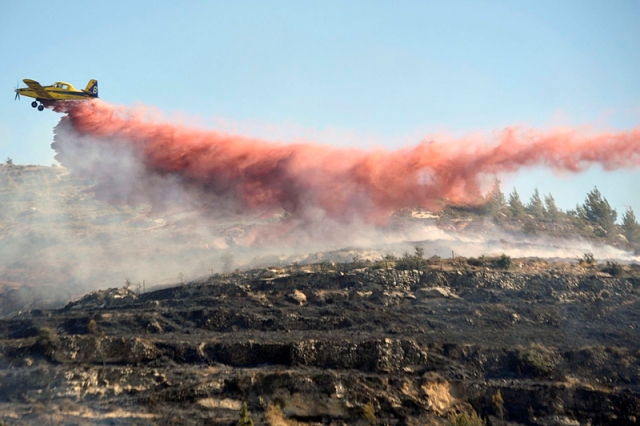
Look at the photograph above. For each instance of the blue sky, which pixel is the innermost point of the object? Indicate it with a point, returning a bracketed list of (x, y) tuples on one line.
[(363, 73)]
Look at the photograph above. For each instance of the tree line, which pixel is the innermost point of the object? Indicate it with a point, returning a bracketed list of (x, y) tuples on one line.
[(595, 215)]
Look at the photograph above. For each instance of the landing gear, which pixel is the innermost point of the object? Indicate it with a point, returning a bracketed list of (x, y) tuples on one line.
[(40, 107), (34, 104)]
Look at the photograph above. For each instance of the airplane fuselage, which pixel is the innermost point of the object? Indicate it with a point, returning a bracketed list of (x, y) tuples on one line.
[(55, 95), (58, 91)]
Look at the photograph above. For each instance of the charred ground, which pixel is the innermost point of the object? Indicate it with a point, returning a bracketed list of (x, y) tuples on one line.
[(352, 343)]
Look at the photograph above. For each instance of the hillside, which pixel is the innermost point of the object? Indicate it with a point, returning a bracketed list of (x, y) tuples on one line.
[(353, 343), (57, 241), (414, 322)]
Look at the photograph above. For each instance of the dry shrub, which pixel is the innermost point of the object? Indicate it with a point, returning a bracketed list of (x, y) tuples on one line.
[(275, 417), (465, 419), (369, 412), (498, 403), (92, 327), (47, 341), (537, 360)]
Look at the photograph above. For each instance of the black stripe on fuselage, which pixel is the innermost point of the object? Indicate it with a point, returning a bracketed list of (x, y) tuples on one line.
[(60, 92), (43, 100), (72, 93)]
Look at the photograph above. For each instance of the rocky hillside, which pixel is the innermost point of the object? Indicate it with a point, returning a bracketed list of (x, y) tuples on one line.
[(58, 242), (350, 343)]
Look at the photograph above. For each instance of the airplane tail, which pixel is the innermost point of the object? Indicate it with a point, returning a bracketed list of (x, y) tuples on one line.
[(92, 88)]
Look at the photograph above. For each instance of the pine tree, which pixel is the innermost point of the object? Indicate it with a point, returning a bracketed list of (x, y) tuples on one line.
[(597, 210), (630, 226), (516, 208), (495, 201), (535, 206), (552, 211)]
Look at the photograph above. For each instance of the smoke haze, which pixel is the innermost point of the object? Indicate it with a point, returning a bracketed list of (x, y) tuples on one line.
[(144, 199), (252, 176)]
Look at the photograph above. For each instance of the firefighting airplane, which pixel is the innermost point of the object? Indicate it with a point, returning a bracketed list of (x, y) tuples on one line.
[(58, 91)]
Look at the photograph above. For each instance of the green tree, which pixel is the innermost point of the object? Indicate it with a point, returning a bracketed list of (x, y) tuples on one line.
[(630, 226), (495, 201), (504, 262), (245, 417), (535, 206), (552, 211), (577, 218), (409, 262), (596, 209), (516, 208)]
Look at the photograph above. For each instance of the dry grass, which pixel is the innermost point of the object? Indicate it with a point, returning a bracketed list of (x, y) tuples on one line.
[(275, 417), (465, 419), (369, 412), (439, 396)]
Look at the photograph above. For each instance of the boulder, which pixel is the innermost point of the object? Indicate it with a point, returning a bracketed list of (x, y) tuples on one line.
[(298, 297), (434, 293)]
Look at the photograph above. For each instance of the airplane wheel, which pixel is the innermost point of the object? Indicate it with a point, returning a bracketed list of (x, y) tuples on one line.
[(40, 108), (34, 104)]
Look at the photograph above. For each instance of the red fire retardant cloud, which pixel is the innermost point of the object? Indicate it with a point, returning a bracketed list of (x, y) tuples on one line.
[(341, 182)]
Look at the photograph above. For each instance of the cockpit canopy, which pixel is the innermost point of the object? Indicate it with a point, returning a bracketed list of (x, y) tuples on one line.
[(63, 85)]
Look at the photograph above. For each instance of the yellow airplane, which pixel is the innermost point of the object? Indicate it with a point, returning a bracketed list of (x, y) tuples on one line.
[(58, 91)]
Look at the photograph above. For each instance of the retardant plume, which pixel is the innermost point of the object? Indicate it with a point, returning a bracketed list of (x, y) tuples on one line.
[(258, 176)]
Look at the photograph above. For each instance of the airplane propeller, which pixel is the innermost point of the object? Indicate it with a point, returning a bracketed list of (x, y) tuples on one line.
[(17, 97)]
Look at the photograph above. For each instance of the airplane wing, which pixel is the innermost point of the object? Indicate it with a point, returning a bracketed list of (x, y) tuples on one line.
[(36, 87)]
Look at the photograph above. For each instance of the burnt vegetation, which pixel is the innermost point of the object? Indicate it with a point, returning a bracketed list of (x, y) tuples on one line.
[(454, 341), (396, 338)]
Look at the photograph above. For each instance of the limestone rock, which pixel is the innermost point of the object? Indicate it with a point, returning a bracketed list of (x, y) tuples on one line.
[(434, 292), (298, 297)]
